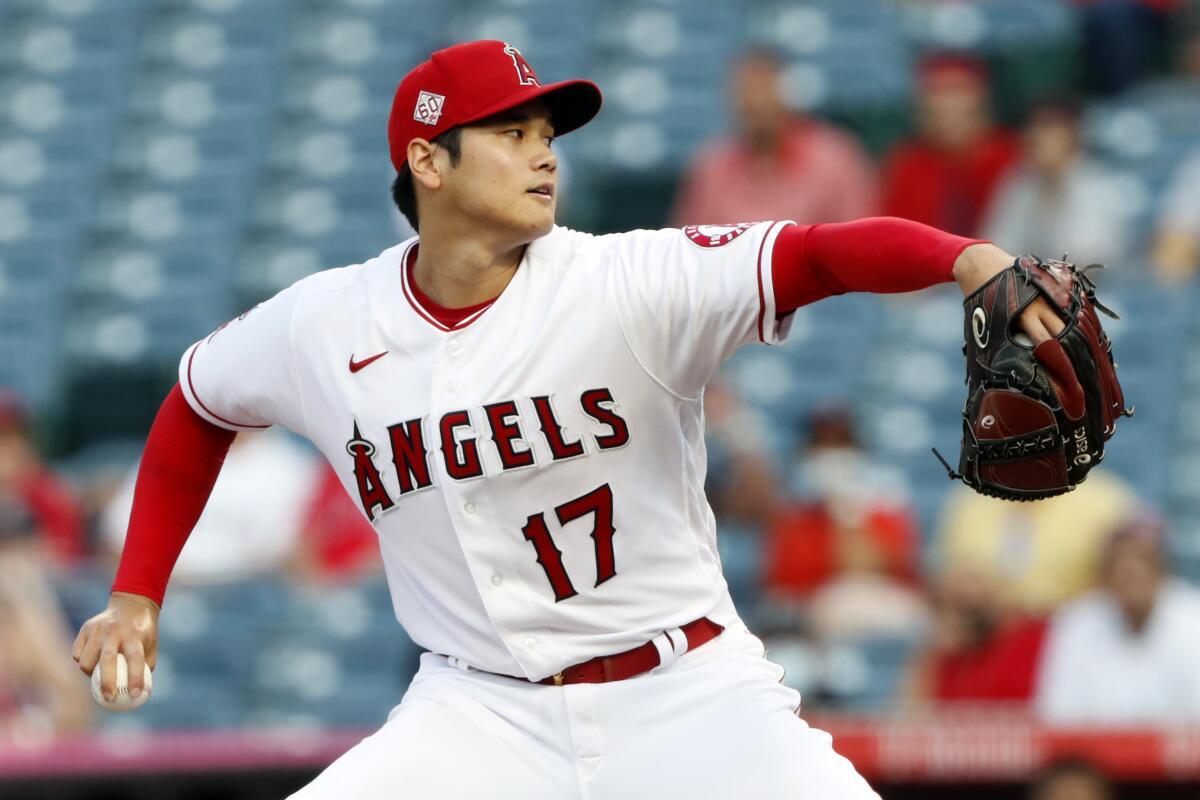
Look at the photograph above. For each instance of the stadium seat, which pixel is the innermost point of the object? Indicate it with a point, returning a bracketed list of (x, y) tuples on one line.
[(181, 704), (740, 549)]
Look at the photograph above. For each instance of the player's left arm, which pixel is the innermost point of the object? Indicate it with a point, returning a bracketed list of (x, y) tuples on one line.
[(888, 255)]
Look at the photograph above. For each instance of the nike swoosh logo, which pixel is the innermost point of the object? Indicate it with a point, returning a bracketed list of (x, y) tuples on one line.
[(355, 366)]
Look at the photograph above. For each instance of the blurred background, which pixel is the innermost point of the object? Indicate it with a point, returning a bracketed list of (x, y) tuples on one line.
[(165, 164)]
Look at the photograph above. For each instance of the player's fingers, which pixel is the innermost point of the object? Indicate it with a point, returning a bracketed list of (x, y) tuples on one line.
[(81, 639), (1050, 319), (89, 655), (108, 669), (1033, 326), (151, 648), (135, 657), (1053, 357)]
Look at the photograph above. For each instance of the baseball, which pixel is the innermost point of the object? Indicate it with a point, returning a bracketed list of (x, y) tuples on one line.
[(122, 702)]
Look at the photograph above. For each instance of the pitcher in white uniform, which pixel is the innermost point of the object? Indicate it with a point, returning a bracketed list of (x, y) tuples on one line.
[(517, 409)]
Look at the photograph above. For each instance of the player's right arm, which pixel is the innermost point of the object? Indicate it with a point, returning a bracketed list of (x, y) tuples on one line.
[(179, 467), (240, 378)]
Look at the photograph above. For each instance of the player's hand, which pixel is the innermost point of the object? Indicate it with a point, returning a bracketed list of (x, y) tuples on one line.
[(979, 263), (129, 625)]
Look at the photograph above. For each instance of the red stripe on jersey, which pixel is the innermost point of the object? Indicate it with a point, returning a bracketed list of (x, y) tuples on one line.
[(412, 301), (762, 295), (207, 410), (442, 318)]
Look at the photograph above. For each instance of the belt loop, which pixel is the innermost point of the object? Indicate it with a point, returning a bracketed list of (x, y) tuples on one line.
[(666, 650), (679, 641)]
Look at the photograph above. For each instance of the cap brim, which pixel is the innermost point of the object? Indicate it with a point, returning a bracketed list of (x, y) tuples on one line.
[(572, 104)]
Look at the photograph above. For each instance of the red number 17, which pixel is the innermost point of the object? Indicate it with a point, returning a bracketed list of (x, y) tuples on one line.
[(599, 501)]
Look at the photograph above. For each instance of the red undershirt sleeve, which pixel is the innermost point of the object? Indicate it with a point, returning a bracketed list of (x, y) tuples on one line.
[(877, 254), (182, 459)]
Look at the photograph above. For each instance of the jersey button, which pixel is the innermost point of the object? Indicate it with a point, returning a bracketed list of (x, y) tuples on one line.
[(454, 347), (469, 508), (451, 386), (530, 642), (497, 580)]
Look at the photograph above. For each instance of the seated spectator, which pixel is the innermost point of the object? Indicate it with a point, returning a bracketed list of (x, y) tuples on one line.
[(1128, 652), (41, 693), (1058, 200), (336, 543), (1038, 554), (56, 514), (978, 650), (945, 176), (778, 165), (1070, 779), (251, 525), (847, 544), (1176, 248)]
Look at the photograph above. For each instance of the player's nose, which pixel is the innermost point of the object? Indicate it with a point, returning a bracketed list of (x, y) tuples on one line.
[(546, 160)]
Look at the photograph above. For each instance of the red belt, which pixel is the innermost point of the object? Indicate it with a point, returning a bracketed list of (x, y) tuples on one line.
[(632, 662)]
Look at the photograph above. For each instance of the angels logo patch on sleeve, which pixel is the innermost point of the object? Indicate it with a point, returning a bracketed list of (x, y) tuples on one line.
[(715, 235)]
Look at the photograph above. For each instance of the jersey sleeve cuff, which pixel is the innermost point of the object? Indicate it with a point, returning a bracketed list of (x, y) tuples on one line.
[(770, 329), (198, 405)]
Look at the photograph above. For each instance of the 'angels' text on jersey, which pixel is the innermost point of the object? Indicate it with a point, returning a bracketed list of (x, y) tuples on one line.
[(457, 444)]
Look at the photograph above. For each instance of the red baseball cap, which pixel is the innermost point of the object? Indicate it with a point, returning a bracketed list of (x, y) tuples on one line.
[(471, 81)]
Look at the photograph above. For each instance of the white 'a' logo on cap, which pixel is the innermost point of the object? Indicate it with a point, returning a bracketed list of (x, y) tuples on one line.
[(525, 73), (429, 108)]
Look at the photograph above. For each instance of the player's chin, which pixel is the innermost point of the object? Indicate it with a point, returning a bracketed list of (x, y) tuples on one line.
[(538, 220)]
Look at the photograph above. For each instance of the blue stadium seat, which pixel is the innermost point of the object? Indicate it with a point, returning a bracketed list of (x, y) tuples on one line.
[(864, 675), (82, 594), (362, 703), (179, 703), (740, 549)]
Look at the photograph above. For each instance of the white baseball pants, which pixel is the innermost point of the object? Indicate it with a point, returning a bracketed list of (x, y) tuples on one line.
[(716, 724)]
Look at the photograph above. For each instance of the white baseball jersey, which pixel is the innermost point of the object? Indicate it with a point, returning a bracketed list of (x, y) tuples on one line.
[(536, 472)]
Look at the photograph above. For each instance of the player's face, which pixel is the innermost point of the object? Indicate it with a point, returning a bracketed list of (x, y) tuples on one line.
[(508, 175)]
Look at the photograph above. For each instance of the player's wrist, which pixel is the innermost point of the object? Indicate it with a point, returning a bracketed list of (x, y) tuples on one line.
[(126, 598), (979, 263)]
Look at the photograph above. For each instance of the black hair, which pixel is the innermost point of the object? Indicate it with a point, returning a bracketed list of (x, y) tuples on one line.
[(1067, 106), (404, 194)]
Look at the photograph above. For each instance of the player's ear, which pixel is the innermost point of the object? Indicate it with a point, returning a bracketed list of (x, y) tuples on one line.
[(423, 165)]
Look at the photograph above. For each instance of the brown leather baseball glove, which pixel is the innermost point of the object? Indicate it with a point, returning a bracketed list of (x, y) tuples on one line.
[(1036, 418)]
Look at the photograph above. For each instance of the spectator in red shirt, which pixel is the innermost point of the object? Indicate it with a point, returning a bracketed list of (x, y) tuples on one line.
[(978, 650), (778, 165), (846, 550), (946, 175), (55, 511), (336, 543)]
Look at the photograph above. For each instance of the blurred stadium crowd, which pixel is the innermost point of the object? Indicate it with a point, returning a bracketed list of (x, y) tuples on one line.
[(165, 164)]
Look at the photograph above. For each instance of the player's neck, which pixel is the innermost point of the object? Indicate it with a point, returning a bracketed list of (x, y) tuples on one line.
[(456, 272)]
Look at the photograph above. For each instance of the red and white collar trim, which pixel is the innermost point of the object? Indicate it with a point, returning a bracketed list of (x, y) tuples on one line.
[(406, 266)]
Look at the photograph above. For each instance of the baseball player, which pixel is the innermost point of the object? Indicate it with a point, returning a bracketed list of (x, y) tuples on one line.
[(517, 409)]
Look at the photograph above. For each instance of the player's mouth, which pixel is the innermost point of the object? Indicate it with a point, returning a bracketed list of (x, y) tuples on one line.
[(545, 190)]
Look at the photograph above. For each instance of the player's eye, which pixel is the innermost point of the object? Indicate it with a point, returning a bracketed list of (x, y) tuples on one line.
[(520, 134), (549, 140)]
